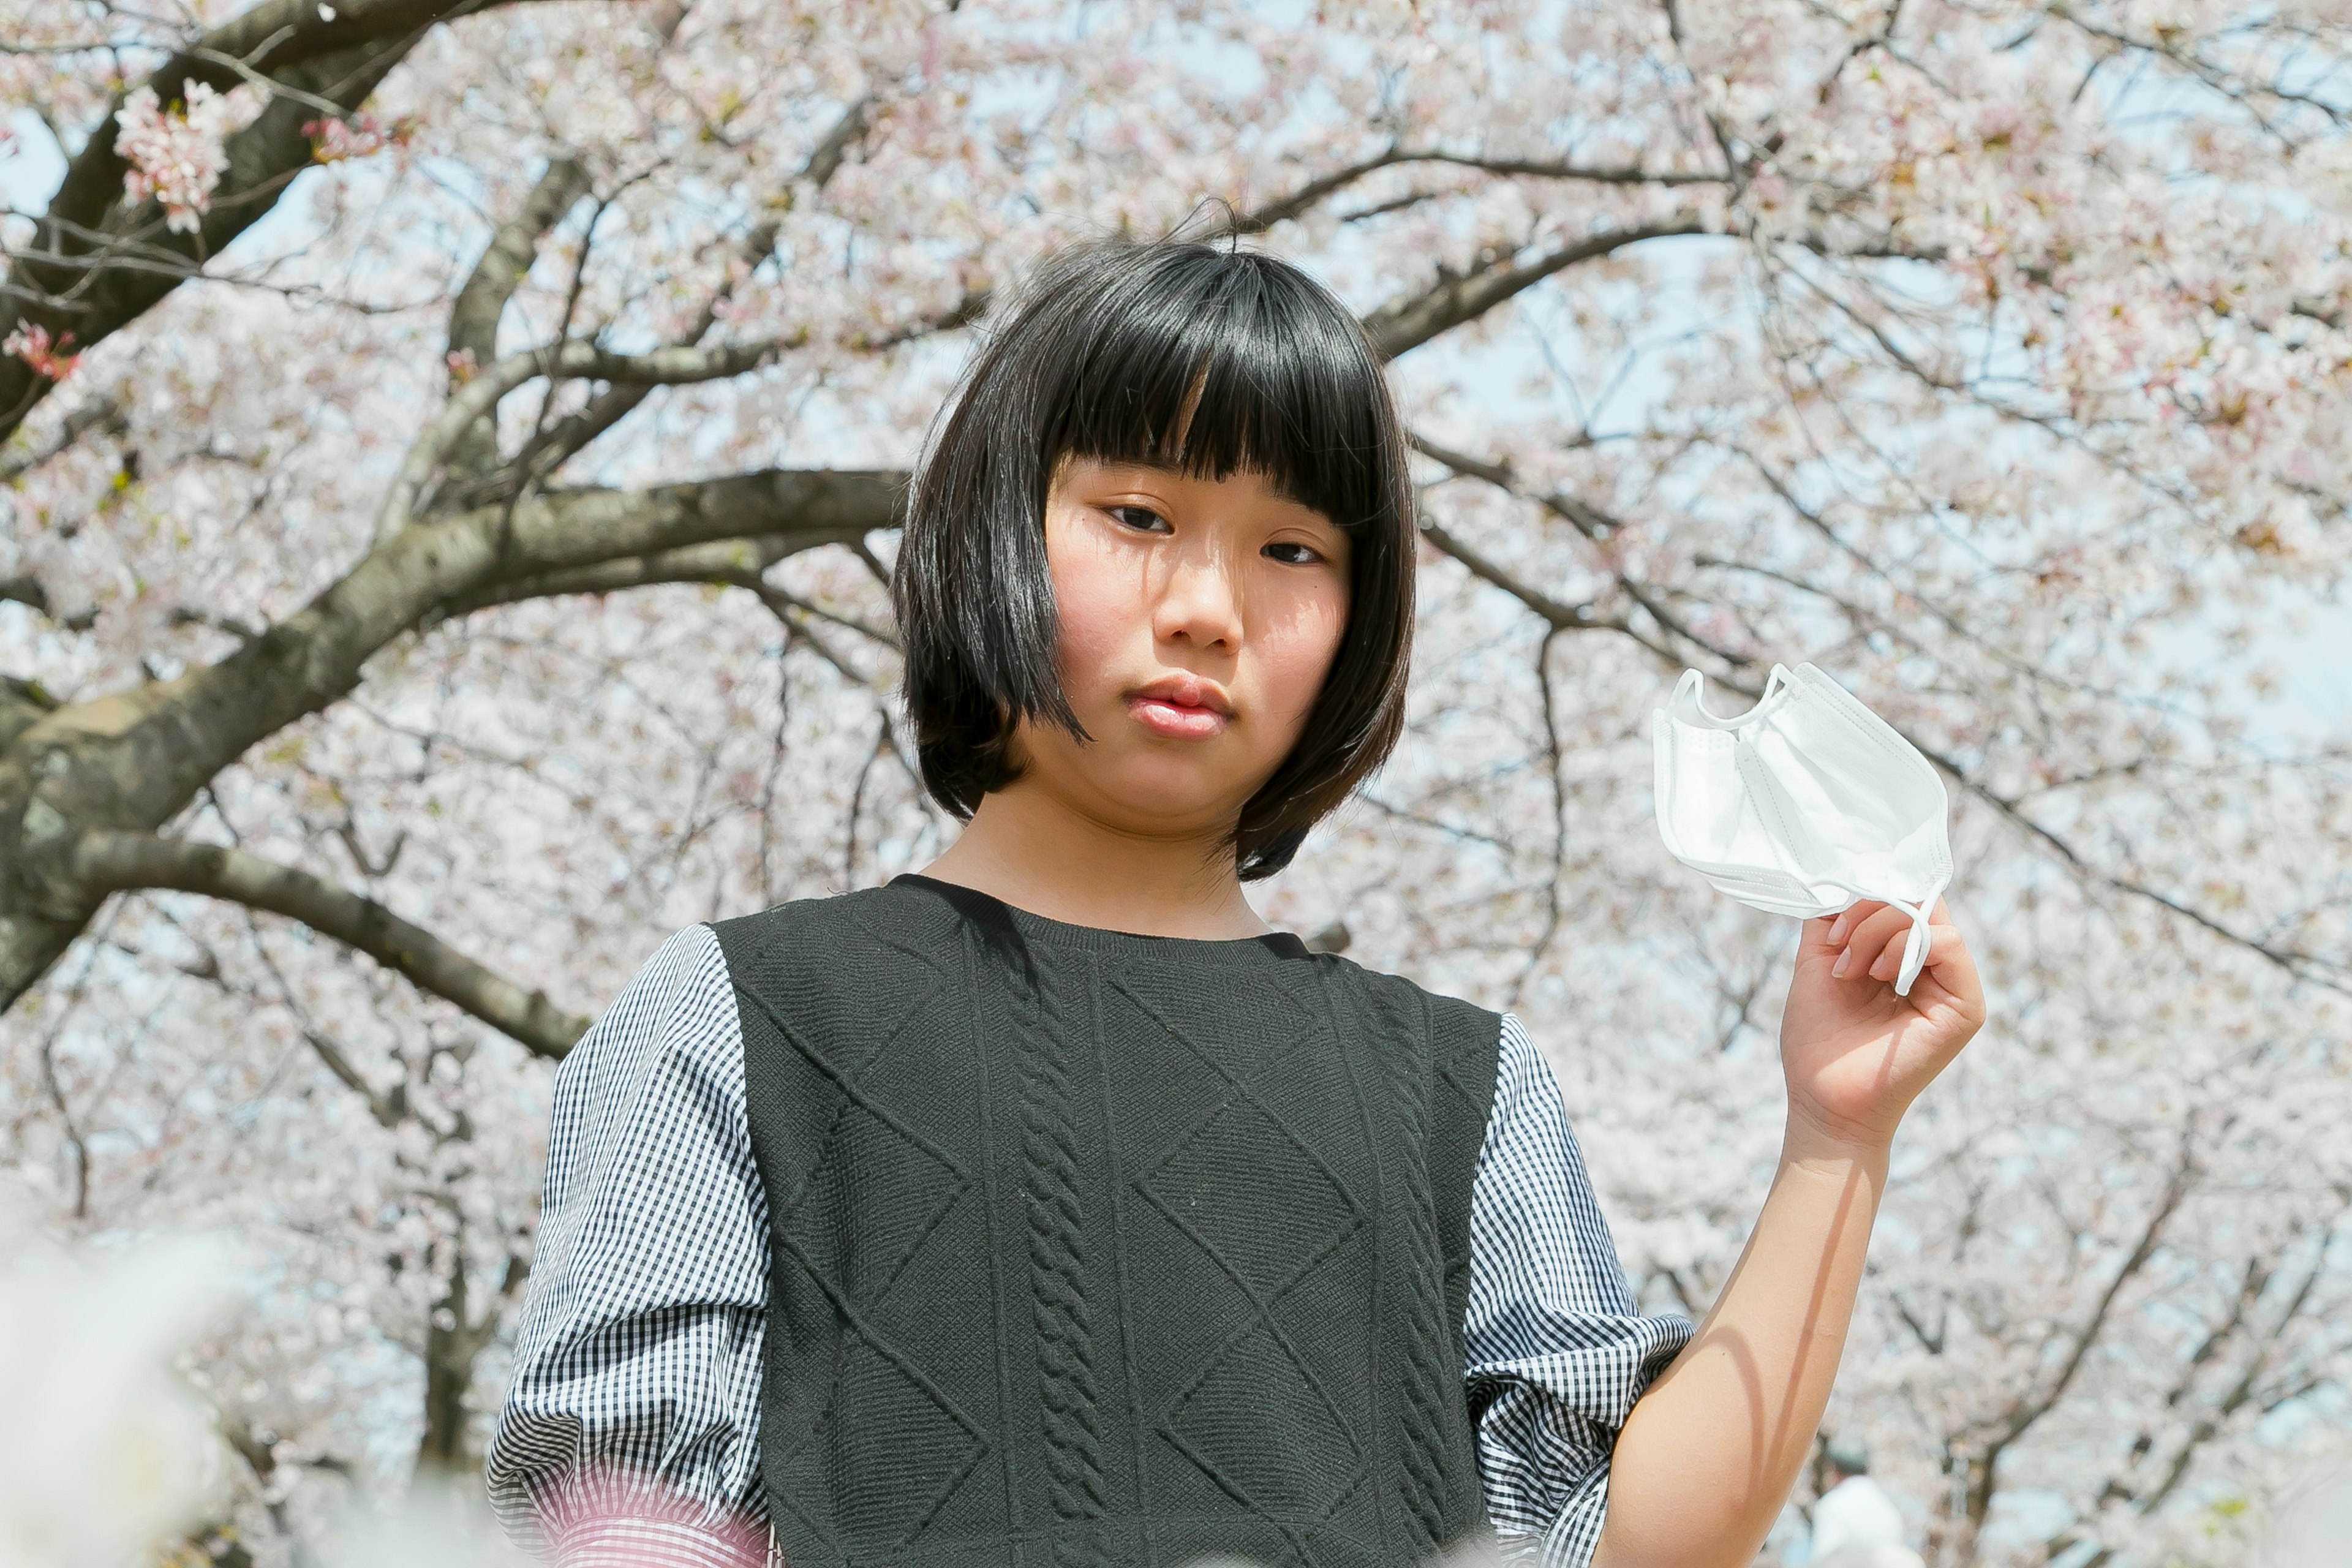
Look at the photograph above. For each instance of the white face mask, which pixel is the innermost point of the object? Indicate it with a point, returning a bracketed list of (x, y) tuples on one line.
[(1804, 804)]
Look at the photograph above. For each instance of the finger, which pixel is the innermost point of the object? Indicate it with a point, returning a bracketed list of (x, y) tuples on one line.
[(1947, 946), (1842, 927), (1868, 940), (1888, 965), (1953, 968), (1949, 977), (1944, 952)]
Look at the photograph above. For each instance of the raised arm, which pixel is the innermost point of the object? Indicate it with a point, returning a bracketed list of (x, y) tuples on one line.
[(631, 1432), (1706, 1462)]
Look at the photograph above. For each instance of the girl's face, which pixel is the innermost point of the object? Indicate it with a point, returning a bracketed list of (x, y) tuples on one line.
[(1198, 620)]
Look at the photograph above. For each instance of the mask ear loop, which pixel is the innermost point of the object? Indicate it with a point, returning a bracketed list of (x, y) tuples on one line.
[(1916, 946), (1688, 702)]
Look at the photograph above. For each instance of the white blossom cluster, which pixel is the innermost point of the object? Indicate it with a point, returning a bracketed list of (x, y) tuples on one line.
[(175, 152), (106, 1449)]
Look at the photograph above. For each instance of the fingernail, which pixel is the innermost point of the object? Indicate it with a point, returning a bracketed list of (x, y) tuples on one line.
[(1837, 930), (1837, 970)]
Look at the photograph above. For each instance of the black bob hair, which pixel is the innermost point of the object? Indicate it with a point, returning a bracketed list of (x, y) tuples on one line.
[(1101, 357)]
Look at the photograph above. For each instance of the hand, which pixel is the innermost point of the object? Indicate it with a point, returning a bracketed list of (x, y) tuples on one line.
[(1855, 1054)]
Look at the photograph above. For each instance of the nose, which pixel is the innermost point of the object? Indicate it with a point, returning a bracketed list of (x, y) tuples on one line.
[(1200, 598)]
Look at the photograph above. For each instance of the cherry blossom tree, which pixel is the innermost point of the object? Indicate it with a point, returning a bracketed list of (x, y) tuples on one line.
[(451, 454)]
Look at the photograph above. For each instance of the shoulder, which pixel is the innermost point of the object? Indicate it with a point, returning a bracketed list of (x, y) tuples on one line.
[(856, 927), (828, 967), (1521, 1064), (681, 978), (1456, 1025), (1459, 1043), (831, 915), (1530, 1116), (675, 1012)]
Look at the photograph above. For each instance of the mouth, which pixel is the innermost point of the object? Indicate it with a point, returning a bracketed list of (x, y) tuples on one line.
[(1182, 708)]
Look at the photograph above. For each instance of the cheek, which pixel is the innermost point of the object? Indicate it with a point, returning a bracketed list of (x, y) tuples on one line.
[(1297, 649), (1097, 604)]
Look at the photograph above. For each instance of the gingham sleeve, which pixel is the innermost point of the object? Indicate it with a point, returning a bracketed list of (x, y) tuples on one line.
[(1556, 1351), (631, 1432)]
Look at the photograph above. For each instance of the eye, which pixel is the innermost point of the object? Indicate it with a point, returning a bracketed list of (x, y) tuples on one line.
[(1141, 518), (1291, 552)]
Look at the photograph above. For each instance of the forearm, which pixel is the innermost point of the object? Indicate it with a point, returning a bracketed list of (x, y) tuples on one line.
[(1708, 1458)]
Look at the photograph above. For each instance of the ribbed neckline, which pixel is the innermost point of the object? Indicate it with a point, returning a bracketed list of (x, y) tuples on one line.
[(974, 904)]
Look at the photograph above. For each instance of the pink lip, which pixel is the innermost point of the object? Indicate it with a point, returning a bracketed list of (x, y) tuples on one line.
[(1182, 708)]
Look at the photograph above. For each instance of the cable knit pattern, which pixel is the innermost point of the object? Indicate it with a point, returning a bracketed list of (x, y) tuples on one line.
[(1426, 1381), (1096, 1248), (1049, 1148)]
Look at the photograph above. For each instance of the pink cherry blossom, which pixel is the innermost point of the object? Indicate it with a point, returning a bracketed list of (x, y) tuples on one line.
[(175, 153), (32, 344)]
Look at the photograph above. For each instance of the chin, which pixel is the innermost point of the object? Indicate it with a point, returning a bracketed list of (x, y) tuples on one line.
[(1160, 797)]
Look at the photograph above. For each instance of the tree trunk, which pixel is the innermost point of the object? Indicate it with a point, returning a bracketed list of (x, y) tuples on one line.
[(451, 1343)]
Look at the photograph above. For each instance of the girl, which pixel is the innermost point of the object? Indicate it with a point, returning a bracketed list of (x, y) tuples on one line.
[(1047, 1207)]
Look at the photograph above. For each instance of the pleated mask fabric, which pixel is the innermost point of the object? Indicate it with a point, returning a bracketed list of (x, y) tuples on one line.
[(1803, 805)]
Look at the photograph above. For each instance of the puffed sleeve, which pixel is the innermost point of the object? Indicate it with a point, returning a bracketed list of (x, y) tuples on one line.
[(1557, 1352), (631, 1430)]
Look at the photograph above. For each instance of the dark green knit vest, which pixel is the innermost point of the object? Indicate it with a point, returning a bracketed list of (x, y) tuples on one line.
[(1098, 1249)]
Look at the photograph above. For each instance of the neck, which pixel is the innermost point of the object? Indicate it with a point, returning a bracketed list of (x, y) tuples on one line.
[(1038, 854)]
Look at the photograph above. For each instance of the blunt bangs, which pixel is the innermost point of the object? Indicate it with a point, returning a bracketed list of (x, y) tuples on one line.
[(1175, 355), (1270, 384)]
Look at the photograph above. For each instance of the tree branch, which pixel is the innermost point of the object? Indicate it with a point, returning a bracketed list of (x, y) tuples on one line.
[(22, 704), (332, 53), (1596, 526), (2242, 1390), (1561, 169), (722, 561), (1560, 617), (1305, 198), (133, 758), (795, 613), (2301, 965), (389, 1110), (662, 367), (106, 862), (1405, 325), (2031, 1407), (2221, 78), (24, 590), (474, 316), (550, 448), (1282, 209)]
